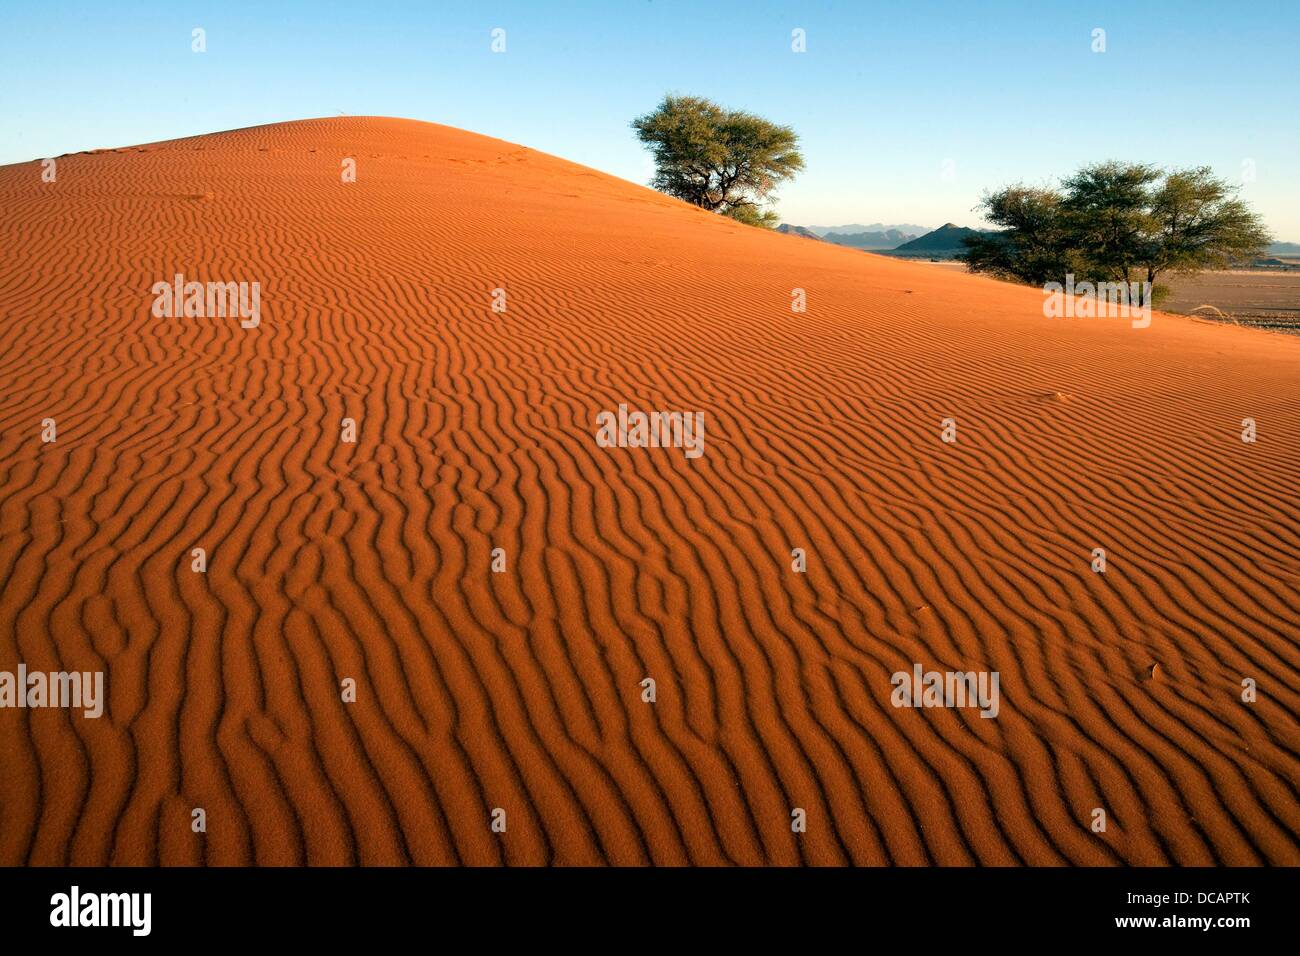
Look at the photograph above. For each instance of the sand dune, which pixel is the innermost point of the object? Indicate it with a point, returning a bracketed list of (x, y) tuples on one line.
[(476, 430)]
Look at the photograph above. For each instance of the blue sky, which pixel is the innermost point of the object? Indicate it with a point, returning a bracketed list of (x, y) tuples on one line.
[(885, 94)]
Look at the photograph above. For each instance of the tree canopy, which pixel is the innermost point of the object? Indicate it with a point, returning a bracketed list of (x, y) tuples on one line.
[(1116, 222), (726, 161)]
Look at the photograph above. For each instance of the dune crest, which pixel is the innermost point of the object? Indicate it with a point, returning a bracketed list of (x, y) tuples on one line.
[(497, 585)]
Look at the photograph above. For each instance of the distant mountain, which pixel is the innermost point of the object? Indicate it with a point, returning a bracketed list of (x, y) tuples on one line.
[(798, 231), (1277, 248), (944, 241), (889, 239), (857, 227)]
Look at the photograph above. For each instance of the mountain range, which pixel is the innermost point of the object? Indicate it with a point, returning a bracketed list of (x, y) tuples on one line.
[(901, 239), (878, 236), (877, 240), (910, 240), (907, 228), (944, 241), (797, 231)]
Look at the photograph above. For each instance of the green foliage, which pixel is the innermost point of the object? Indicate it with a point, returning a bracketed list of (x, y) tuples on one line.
[(1105, 215), (726, 161), (1032, 246), (1200, 224), (1117, 222), (752, 215)]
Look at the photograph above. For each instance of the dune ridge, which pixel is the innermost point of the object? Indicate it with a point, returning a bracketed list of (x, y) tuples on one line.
[(476, 430)]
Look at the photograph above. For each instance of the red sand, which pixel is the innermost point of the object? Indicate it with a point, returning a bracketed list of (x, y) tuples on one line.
[(521, 690)]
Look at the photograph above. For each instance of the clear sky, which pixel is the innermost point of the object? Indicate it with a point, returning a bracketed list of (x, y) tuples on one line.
[(907, 110)]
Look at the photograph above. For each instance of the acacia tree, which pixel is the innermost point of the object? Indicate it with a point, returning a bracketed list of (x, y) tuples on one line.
[(726, 161), (1197, 222), (1116, 222), (1031, 246), (1107, 218)]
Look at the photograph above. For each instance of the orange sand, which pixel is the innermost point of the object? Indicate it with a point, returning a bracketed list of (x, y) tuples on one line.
[(521, 690)]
